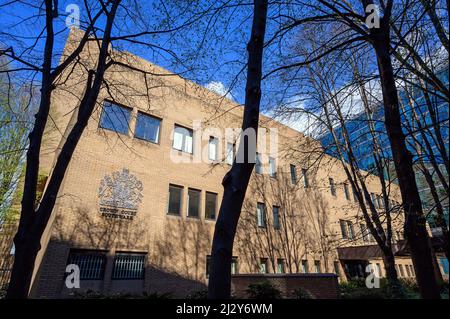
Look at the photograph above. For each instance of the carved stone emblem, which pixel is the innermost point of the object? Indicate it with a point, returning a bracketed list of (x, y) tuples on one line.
[(120, 195)]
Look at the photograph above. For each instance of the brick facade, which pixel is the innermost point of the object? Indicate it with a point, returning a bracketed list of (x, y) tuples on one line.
[(176, 247)]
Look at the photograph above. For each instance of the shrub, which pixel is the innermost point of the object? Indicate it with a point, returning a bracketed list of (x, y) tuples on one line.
[(300, 293), (91, 294), (263, 290), (200, 294)]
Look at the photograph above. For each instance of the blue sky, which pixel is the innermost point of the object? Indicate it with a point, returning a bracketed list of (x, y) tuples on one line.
[(211, 58)]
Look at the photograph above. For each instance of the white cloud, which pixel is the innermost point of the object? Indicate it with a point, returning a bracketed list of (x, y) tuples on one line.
[(219, 88)]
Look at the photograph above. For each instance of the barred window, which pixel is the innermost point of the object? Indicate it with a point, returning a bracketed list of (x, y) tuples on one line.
[(91, 263), (128, 266)]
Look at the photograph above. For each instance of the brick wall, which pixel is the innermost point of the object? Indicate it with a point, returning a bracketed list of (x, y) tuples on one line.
[(320, 286)]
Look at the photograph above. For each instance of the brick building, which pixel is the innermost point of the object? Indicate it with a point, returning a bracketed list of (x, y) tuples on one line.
[(137, 208)]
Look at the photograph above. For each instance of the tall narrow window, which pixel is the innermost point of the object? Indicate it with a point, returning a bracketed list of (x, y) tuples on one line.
[(374, 199), (258, 163), (304, 265), (213, 148), (230, 153), (128, 266), (272, 167), (402, 271), (193, 203), (364, 233), (234, 265), (317, 266), (263, 266), (261, 214), (344, 231), (351, 231), (332, 186), (305, 177), (408, 271), (280, 266), (115, 118), (175, 195), (355, 198), (210, 205), (293, 174), (276, 217), (183, 139), (147, 128), (346, 191), (380, 202)]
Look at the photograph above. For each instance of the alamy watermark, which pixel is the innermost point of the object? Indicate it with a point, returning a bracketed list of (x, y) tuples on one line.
[(73, 276)]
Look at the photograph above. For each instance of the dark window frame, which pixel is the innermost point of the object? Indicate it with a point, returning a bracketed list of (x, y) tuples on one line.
[(181, 188), (103, 113), (159, 127), (114, 275), (199, 203)]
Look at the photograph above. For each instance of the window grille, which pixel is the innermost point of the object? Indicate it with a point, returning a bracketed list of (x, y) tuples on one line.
[(128, 266), (91, 264)]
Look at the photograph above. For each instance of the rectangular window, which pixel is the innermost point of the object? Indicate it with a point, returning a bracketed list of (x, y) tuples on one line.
[(258, 167), (234, 265), (305, 177), (408, 270), (128, 266), (317, 266), (344, 231), (374, 199), (402, 271), (280, 266), (272, 167), (304, 265), (332, 186), (263, 266), (213, 148), (91, 263), (414, 274), (346, 191), (293, 170), (230, 153), (347, 229), (175, 196), (261, 214), (276, 217), (351, 231), (364, 233), (115, 118), (355, 198), (183, 139), (193, 203), (380, 202), (147, 128), (210, 205)]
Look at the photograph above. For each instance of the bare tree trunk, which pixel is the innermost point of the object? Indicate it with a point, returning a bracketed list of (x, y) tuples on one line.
[(33, 222), (415, 222), (236, 180)]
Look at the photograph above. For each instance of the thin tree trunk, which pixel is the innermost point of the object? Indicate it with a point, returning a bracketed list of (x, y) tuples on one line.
[(236, 180), (33, 222), (391, 274), (415, 222)]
